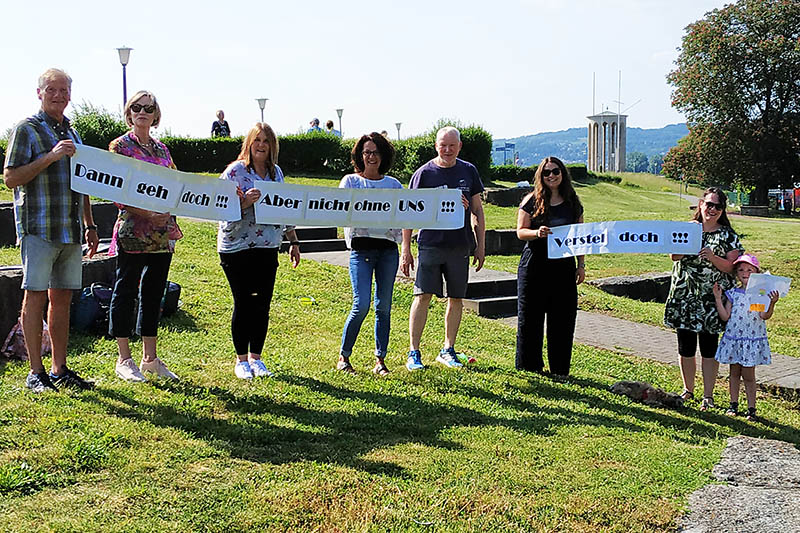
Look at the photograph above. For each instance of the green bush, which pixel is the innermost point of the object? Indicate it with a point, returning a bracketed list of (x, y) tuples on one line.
[(603, 177), (203, 155), (578, 172), (3, 146), (96, 125), (512, 173)]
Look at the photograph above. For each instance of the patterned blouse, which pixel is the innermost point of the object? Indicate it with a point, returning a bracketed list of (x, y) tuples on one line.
[(247, 233), (690, 303), (132, 233)]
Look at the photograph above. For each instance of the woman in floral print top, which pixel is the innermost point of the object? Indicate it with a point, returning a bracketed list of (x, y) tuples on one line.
[(143, 242), (690, 307)]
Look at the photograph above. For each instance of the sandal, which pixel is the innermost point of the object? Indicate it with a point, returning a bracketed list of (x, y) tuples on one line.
[(751, 414), (380, 368), (733, 410), (708, 403), (687, 395), (345, 366)]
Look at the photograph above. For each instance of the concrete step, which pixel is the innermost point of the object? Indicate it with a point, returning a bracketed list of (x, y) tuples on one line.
[(318, 245), (315, 233), (492, 287), (492, 306)]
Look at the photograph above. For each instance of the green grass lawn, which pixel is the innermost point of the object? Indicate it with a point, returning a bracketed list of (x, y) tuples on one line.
[(481, 449)]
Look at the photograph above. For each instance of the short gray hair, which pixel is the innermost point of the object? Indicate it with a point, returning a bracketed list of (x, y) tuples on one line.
[(52, 74), (448, 129)]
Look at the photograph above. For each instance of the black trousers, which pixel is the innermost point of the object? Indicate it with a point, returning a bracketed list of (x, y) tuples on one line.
[(251, 275), (143, 275), (546, 291)]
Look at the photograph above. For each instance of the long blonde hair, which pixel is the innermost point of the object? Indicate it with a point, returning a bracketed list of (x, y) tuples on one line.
[(272, 141)]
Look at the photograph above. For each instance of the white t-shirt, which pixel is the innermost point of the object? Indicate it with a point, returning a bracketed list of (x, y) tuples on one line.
[(354, 181)]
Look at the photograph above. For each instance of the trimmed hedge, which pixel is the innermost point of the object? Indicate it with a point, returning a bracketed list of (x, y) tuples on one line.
[(320, 153), (3, 145), (514, 173)]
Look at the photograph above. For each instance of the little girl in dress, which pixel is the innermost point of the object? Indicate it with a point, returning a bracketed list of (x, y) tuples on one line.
[(744, 343)]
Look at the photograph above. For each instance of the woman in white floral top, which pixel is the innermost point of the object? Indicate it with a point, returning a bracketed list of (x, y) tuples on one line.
[(248, 250)]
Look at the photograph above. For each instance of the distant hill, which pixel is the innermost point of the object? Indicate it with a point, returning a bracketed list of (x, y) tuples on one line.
[(570, 145)]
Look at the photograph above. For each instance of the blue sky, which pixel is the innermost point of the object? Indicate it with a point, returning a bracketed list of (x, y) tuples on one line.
[(514, 67)]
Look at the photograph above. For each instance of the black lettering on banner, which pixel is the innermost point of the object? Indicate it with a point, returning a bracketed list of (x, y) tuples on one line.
[(81, 171), (197, 199), (321, 204), (278, 201), (448, 206), (648, 237), (583, 240), (221, 202), (147, 189), (409, 205), (367, 205), (679, 237)]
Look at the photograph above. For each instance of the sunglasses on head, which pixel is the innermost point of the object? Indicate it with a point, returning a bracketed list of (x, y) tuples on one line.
[(136, 108), (716, 206), (547, 171)]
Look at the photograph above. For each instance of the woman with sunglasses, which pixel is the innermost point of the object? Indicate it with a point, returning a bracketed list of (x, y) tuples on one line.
[(691, 309), (373, 253), (547, 288), (143, 242)]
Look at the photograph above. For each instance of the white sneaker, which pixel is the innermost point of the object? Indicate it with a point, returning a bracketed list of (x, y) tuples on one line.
[(259, 369), (128, 371), (243, 370), (157, 367)]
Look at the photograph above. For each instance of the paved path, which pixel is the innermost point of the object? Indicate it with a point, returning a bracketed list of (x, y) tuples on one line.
[(609, 333)]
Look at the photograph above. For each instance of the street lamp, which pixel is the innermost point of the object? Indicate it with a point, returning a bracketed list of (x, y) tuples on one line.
[(339, 112), (124, 56), (262, 103), (398, 124)]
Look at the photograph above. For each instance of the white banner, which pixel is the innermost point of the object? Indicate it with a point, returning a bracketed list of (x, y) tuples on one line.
[(128, 181), (283, 203), (760, 285), (625, 237)]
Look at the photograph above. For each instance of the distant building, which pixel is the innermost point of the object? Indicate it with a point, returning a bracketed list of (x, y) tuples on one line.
[(605, 130)]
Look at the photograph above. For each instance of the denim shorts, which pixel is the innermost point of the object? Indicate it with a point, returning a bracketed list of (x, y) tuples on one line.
[(50, 265), (433, 264)]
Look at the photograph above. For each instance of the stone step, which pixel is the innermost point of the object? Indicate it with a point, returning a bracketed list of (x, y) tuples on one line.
[(318, 245), (492, 287), (316, 233), (492, 306)]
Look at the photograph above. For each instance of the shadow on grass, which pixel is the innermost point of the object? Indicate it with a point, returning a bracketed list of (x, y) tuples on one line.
[(335, 436)]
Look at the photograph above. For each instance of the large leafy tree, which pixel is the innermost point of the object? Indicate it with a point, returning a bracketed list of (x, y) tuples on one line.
[(738, 82)]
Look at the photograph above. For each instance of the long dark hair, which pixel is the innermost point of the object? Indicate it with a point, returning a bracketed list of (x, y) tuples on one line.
[(723, 216), (541, 192)]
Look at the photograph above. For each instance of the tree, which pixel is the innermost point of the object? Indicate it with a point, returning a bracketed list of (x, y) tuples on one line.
[(655, 163), (737, 82), (96, 125), (636, 162)]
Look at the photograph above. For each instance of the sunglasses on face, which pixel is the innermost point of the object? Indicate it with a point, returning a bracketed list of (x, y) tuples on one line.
[(136, 108), (547, 171), (716, 206)]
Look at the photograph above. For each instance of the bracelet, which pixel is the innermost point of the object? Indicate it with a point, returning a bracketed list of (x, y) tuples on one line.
[(294, 243), (91, 227)]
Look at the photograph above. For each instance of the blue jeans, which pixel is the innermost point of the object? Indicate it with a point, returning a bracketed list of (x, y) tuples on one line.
[(363, 264)]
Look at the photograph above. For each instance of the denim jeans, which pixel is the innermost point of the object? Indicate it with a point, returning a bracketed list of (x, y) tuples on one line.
[(144, 275), (363, 264)]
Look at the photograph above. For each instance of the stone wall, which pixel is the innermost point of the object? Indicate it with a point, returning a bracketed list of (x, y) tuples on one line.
[(651, 287), (98, 269), (505, 197), (105, 214)]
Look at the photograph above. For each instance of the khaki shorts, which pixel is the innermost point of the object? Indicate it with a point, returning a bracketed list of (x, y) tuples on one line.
[(50, 265), (436, 264)]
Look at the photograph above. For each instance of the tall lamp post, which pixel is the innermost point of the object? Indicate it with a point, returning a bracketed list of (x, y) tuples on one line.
[(339, 112), (262, 103), (398, 124), (124, 56)]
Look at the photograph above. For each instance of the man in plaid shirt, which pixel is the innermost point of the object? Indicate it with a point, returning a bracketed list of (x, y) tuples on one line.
[(48, 219)]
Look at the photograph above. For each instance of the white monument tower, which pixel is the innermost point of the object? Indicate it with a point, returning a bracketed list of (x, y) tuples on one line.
[(606, 142)]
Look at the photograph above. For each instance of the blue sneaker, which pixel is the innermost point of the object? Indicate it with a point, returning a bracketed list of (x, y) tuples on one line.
[(449, 358), (414, 361)]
